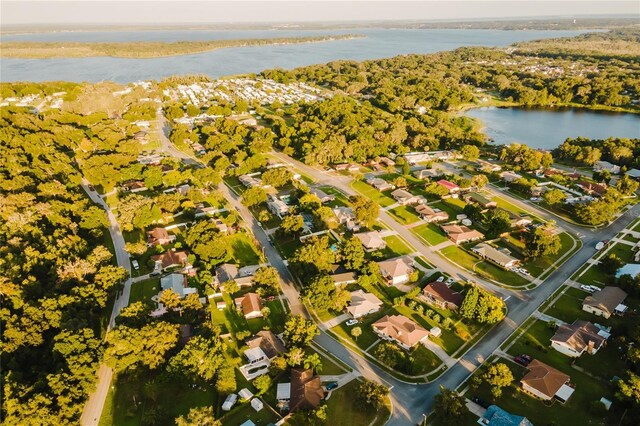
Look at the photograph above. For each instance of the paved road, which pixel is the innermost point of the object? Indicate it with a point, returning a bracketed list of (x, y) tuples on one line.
[(411, 401), (95, 403)]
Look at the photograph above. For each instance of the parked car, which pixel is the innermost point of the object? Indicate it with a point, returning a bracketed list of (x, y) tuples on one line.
[(523, 359), (450, 281), (535, 199), (331, 385), (351, 322), (154, 274), (481, 402), (91, 188), (587, 288), (594, 288), (135, 264), (440, 278)]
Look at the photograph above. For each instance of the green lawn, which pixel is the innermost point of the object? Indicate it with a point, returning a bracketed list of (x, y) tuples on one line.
[(130, 401), (144, 290), (431, 233), (450, 205), (482, 267), (341, 199), (242, 412), (368, 337), (341, 409), (595, 275), (403, 215), (424, 361), (535, 342), (372, 193), (244, 250), (395, 247), (329, 367)]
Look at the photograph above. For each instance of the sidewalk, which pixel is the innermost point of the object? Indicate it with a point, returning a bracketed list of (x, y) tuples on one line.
[(335, 321), (440, 353), (547, 318)]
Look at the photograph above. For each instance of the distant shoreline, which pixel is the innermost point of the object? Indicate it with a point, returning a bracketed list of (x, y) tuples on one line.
[(145, 49)]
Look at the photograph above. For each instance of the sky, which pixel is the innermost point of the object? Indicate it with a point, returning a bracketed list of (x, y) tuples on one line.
[(240, 11)]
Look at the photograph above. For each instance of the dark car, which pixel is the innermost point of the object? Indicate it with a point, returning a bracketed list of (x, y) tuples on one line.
[(91, 188), (331, 385), (523, 359), (154, 274), (481, 402)]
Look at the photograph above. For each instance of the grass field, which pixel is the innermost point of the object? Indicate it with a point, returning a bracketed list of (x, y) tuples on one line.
[(144, 290), (372, 193), (244, 251), (431, 233), (395, 247), (404, 215), (342, 410), (482, 267)]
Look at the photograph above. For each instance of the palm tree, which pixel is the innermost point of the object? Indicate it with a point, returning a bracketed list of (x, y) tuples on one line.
[(313, 362)]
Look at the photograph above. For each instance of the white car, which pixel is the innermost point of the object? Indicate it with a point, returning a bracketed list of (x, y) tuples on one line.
[(594, 288), (135, 264), (351, 322), (440, 278), (450, 281), (535, 199), (587, 288)]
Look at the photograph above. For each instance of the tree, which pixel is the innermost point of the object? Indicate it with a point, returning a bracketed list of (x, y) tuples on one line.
[(470, 152), (541, 242), (324, 295), (295, 357), (226, 380), (314, 257), (498, 376), (201, 416), (94, 218), (595, 212), (129, 348), (365, 210), (449, 407), (352, 253), (262, 383), (231, 287), (371, 395), (497, 222), (268, 279), (292, 224), (629, 388), (313, 362), (482, 307), (611, 264), (479, 181), (356, 332), (626, 185), (254, 196), (201, 357), (170, 299), (554, 196), (152, 177), (277, 177), (299, 331)]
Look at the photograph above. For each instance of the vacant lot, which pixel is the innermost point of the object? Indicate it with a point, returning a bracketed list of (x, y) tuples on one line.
[(431, 233)]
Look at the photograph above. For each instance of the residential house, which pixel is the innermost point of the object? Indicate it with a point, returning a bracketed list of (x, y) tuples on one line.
[(451, 187), (159, 236), (605, 302), (170, 259), (346, 217), (277, 206), (177, 283), (479, 199), (418, 157), (404, 197), (400, 329), (396, 271), (371, 241), (242, 277), (363, 304), (353, 168), (632, 269), (427, 173), (387, 161), (249, 305), (460, 234), (442, 296), (430, 215), (269, 343), (306, 391), (341, 167), (599, 166), (592, 188), (517, 221), (545, 382), (221, 226), (574, 339), (380, 184), (500, 256), (341, 276), (633, 173), (134, 186), (249, 181), (487, 167), (510, 176), (496, 416), (323, 196)]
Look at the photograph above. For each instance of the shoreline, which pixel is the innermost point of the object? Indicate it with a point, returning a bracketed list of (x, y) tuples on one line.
[(146, 50)]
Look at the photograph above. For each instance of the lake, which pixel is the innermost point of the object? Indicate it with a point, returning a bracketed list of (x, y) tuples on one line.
[(548, 128), (379, 43)]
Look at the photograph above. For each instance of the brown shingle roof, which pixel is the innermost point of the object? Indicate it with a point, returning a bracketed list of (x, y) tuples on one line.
[(606, 299), (578, 335), (461, 233), (171, 258), (400, 328), (544, 378), (440, 291), (268, 342), (249, 303), (306, 390)]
